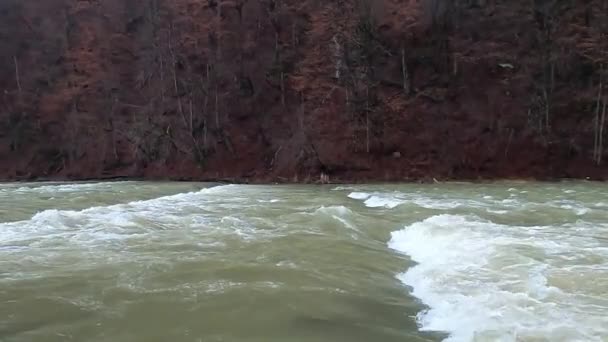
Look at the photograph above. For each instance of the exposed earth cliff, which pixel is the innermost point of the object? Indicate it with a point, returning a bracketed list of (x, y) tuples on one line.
[(284, 90)]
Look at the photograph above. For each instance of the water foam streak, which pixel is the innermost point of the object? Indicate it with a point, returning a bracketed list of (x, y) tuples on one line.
[(489, 282)]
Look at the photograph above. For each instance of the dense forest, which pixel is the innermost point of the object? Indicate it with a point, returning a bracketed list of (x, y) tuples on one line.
[(287, 90)]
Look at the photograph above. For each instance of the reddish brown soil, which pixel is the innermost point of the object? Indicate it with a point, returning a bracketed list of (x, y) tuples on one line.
[(188, 89)]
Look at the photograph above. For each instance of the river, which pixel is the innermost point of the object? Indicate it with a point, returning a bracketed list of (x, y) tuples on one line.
[(142, 261)]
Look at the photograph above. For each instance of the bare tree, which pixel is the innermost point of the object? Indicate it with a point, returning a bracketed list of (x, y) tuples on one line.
[(405, 75), (440, 17), (548, 14), (600, 152), (17, 78), (239, 8), (598, 123)]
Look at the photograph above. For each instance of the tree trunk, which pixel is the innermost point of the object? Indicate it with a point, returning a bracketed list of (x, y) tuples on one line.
[(276, 46), (347, 98), (601, 139), (191, 117), (174, 69), (405, 73), (337, 56), (367, 120), (17, 75), (597, 121), (205, 134), (294, 37), (217, 109), (550, 97), (162, 78), (282, 88), (218, 51), (367, 131), (547, 109)]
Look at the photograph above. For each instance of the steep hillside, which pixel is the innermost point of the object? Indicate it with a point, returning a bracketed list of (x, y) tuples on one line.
[(284, 90)]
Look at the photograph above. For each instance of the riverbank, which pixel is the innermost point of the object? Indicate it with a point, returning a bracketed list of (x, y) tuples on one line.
[(319, 178), (247, 91)]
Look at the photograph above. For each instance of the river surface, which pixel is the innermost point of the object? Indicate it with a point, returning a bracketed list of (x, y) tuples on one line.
[(140, 261)]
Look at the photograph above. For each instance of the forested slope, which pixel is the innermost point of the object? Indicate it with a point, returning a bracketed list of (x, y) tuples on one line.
[(284, 90)]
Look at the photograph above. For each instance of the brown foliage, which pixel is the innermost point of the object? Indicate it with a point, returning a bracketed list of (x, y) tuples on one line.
[(272, 89)]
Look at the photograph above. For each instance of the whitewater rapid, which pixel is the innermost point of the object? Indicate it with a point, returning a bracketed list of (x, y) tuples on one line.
[(485, 281), (454, 262)]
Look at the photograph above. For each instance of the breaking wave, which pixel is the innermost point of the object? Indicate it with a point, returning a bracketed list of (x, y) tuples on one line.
[(488, 282)]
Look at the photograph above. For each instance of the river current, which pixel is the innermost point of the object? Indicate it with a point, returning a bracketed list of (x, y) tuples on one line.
[(143, 261)]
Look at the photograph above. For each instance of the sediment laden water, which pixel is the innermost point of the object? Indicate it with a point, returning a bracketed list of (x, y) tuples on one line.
[(138, 261)]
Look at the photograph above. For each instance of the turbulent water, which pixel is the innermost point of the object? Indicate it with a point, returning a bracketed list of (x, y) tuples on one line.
[(137, 261)]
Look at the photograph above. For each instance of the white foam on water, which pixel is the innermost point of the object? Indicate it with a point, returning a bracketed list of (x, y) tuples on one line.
[(186, 225), (497, 211), (581, 211), (274, 200), (578, 208), (487, 282), (244, 229), (393, 200), (342, 188), (267, 284), (339, 210), (378, 201), (96, 224), (190, 291), (223, 286), (68, 187), (359, 195), (341, 214), (441, 204)]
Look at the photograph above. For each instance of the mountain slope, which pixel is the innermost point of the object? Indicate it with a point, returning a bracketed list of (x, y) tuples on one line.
[(282, 90)]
